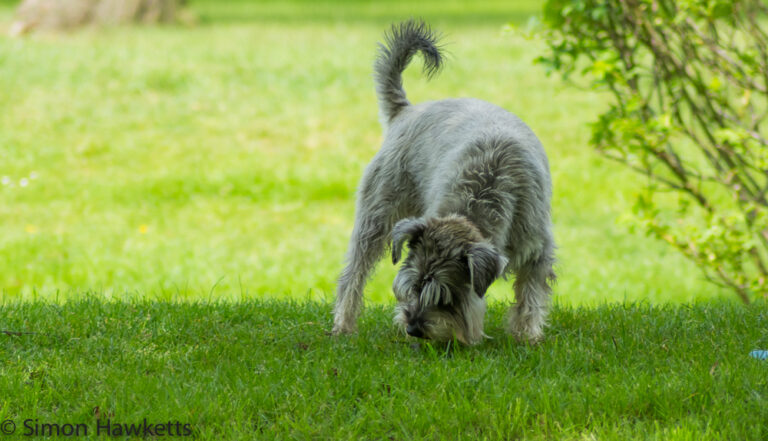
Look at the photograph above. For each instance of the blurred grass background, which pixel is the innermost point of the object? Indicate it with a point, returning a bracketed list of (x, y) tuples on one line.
[(220, 160)]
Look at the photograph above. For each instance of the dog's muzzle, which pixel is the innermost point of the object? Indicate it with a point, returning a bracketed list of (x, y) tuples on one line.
[(414, 331)]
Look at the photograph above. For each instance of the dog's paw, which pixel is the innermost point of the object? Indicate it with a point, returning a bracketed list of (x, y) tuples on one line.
[(527, 338), (343, 328), (526, 328)]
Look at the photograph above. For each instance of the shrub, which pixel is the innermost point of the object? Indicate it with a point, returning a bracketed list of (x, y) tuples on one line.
[(688, 82)]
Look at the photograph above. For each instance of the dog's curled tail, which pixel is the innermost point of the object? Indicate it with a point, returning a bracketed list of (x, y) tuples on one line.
[(400, 45)]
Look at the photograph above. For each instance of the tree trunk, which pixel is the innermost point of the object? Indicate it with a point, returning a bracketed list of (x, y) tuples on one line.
[(68, 14)]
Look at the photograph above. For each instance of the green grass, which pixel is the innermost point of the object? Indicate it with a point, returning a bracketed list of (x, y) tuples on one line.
[(200, 180), (222, 159), (266, 370)]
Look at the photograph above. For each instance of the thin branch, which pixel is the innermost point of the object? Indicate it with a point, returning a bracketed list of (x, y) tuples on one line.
[(16, 333)]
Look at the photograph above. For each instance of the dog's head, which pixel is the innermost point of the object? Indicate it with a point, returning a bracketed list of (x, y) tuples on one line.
[(440, 287)]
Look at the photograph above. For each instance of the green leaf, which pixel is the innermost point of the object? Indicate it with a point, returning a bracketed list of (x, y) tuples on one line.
[(715, 84)]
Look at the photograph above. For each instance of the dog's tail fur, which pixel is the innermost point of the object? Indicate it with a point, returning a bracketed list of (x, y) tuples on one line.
[(400, 44)]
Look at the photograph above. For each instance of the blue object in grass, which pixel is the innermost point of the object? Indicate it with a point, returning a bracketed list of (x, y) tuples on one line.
[(759, 354)]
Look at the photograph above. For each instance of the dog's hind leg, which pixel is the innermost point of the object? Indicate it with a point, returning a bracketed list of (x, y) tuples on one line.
[(366, 246), (527, 317)]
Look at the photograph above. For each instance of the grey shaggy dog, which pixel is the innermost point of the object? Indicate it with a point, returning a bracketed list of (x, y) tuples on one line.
[(466, 184)]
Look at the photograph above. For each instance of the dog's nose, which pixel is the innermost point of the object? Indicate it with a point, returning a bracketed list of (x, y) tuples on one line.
[(414, 331)]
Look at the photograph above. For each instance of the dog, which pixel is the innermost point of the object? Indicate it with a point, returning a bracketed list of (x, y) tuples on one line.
[(466, 185)]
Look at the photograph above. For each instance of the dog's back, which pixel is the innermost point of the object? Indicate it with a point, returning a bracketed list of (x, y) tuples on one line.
[(453, 119), (465, 155)]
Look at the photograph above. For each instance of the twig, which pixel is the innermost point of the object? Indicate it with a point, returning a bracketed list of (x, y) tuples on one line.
[(17, 333)]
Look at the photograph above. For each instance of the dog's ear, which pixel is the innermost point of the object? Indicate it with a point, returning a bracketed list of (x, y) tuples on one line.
[(406, 229), (485, 266)]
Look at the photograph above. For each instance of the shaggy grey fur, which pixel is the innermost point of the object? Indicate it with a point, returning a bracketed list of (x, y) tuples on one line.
[(466, 184)]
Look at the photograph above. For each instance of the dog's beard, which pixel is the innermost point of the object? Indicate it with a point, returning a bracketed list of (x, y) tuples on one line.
[(462, 319)]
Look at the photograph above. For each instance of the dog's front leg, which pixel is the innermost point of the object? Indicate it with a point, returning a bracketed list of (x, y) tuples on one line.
[(532, 291), (366, 247)]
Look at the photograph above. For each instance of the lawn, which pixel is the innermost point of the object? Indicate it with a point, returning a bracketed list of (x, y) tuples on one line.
[(220, 160), (175, 204), (266, 370)]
